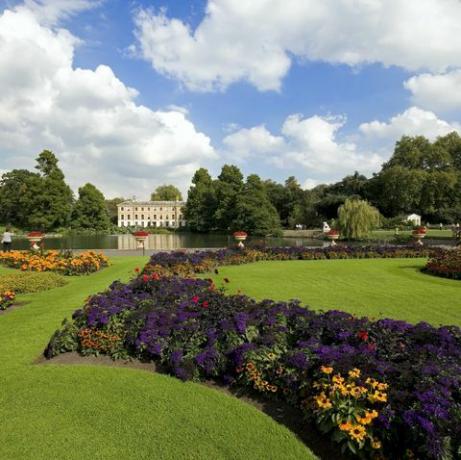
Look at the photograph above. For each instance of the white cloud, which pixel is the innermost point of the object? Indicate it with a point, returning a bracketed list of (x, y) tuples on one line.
[(52, 11), (413, 122), (256, 41), (439, 92), (258, 139), (88, 117), (309, 146)]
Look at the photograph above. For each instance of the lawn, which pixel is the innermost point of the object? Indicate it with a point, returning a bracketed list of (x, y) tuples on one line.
[(85, 412), (431, 233), (393, 288)]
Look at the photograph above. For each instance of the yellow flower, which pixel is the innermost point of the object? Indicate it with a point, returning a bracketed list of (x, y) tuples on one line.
[(345, 426), (323, 402), (357, 432), (378, 396), (326, 370), (337, 379), (354, 373), (376, 443)]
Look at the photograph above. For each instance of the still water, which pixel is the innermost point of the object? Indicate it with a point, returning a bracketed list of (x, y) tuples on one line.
[(174, 241)]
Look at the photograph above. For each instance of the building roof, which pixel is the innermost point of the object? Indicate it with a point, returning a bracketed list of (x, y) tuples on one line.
[(151, 203)]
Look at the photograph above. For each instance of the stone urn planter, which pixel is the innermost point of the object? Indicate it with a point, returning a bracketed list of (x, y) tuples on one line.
[(418, 234), (141, 238), (240, 237), (35, 238), (333, 235)]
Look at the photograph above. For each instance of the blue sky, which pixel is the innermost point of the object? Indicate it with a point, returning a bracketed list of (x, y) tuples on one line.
[(278, 87)]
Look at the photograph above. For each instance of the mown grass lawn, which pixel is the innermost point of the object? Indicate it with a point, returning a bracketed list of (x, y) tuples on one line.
[(83, 412), (393, 288)]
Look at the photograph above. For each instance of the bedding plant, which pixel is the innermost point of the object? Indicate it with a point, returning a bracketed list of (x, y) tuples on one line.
[(65, 263), (7, 299), (380, 389), (446, 264)]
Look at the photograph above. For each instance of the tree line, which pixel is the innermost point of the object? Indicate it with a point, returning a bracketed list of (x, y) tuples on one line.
[(421, 176)]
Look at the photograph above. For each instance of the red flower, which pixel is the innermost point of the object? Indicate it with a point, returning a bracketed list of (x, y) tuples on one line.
[(362, 335), (145, 278), (195, 299), (136, 269), (205, 304), (155, 276)]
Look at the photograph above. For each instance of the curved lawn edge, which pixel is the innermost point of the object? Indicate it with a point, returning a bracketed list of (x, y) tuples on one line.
[(80, 412)]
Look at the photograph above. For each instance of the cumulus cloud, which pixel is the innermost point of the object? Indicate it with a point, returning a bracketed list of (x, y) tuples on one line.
[(308, 145), (88, 117), (412, 122), (439, 92), (256, 41)]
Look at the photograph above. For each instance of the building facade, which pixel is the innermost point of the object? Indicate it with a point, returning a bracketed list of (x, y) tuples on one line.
[(167, 214)]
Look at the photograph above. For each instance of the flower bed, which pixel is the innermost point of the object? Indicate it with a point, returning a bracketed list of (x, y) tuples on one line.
[(381, 389), (446, 264), (6, 299), (54, 261), (30, 282), (189, 263)]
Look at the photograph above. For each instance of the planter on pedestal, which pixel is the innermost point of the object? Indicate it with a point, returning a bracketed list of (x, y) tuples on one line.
[(240, 237), (333, 235), (418, 234), (35, 238), (141, 237)]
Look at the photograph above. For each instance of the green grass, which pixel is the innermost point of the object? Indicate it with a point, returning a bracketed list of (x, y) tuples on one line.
[(82, 412), (389, 234), (393, 288)]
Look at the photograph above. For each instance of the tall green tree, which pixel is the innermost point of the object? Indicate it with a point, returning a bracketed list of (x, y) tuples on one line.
[(255, 213), (90, 211), (19, 189), (112, 209), (228, 187), (201, 202), (357, 218), (166, 193)]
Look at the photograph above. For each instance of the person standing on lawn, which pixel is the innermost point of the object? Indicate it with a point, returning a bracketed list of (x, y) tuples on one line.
[(7, 239)]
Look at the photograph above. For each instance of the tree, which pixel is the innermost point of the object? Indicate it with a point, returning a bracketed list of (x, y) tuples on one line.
[(357, 218), (51, 208), (201, 202), (255, 212), (18, 191), (229, 187), (90, 210), (112, 209), (166, 193)]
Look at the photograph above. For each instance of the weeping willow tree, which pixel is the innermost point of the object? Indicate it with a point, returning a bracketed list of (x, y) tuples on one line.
[(357, 218)]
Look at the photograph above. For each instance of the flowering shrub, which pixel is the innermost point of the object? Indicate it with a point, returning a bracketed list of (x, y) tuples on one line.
[(379, 388), (65, 263), (7, 299), (446, 264), (29, 282)]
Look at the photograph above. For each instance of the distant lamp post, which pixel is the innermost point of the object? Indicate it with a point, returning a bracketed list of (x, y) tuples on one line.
[(418, 234), (35, 238), (141, 237), (240, 237), (333, 235)]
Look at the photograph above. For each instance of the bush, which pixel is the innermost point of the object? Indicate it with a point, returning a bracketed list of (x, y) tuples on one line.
[(23, 283), (446, 264), (381, 389)]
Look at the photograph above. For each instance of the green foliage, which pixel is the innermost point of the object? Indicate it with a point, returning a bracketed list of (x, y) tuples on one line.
[(90, 211), (166, 193), (112, 209), (201, 202), (357, 218), (28, 282), (255, 213)]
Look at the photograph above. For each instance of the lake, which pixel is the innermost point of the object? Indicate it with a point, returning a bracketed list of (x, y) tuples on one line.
[(156, 242)]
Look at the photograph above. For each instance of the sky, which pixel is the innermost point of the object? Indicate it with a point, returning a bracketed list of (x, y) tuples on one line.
[(133, 94)]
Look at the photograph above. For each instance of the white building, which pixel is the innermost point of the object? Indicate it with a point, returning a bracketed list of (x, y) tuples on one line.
[(168, 214), (414, 219)]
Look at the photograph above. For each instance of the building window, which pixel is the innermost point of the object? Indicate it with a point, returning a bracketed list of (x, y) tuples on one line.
[(121, 216), (142, 216), (160, 209), (121, 209), (129, 217), (155, 216)]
